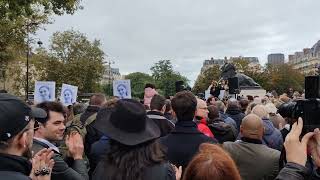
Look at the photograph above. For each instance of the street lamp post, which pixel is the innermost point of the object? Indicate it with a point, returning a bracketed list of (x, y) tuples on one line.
[(28, 56), (110, 74)]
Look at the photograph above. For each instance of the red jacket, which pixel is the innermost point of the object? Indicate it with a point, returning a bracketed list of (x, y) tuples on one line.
[(202, 127)]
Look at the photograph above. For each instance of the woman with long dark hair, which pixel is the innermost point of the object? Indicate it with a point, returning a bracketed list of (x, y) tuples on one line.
[(134, 153)]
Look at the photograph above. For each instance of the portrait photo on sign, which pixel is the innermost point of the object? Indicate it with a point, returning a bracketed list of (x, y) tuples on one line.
[(122, 89), (44, 91), (68, 94)]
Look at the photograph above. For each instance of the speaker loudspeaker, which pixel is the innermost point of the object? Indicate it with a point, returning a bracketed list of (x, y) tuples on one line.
[(233, 84), (179, 86)]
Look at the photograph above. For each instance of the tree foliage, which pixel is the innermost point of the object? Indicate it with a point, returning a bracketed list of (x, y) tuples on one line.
[(204, 79), (165, 77), (107, 89), (281, 77), (18, 18), (138, 81), (26, 8), (72, 59), (271, 77), (241, 65)]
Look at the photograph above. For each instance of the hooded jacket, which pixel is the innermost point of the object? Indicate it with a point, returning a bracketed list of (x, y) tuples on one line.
[(227, 119), (236, 114), (222, 131), (14, 167), (272, 137)]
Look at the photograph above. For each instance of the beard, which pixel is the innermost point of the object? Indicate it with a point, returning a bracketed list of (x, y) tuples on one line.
[(27, 153)]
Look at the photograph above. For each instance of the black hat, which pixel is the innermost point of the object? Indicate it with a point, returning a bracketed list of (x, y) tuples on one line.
[(15, 115), (127, 123)]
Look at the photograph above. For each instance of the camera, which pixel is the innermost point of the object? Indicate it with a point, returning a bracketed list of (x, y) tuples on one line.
[(308, 109)]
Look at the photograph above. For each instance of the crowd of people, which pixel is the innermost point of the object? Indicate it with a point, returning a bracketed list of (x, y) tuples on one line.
[(182, 137)]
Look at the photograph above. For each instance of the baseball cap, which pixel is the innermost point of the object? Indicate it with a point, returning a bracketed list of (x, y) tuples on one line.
[(15, 115)]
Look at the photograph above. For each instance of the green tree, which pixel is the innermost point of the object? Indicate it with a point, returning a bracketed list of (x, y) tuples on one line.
[(241, 65), (18, 18), (281, 77), (138, 80), (107, 89), (72, 59), (165, 77), (204, 79), (255, 72)]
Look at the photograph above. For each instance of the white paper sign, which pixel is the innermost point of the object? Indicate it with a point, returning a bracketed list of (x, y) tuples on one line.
[(221, 95), (68, 94), (122, 89), (44, 91), (207, 94)]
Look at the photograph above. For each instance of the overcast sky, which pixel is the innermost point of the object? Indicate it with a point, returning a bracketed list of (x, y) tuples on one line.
[(138, 33)]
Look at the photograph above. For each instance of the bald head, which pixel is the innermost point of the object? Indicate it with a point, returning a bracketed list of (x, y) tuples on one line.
[(260, 111), (252, 127)]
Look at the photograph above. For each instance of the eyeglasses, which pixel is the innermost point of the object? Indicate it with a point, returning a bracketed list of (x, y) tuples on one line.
[(204, 108)]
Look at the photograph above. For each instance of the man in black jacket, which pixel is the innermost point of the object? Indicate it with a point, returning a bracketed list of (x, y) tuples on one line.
[(157, 107), (49, 131), (16, 132), (234, 111), (184, 140)]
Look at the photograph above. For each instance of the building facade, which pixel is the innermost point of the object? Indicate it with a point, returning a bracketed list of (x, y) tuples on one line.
[(211, 62), (307, 61), (253, 62), (277, 58), (110, 74)]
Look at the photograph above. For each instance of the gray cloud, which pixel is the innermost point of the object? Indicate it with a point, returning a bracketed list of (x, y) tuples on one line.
[(136, 34)]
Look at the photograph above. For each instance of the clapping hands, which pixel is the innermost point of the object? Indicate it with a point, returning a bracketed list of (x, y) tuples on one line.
[(75, 145), (42, 165)]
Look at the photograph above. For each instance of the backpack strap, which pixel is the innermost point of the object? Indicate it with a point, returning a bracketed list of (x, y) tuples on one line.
[(90, 120)]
